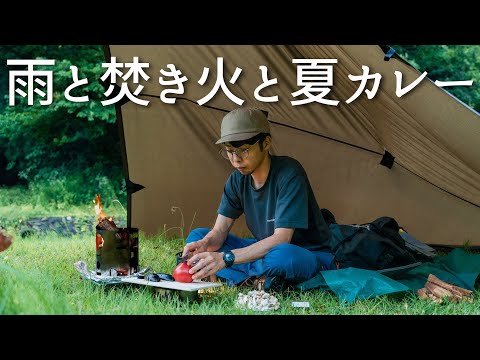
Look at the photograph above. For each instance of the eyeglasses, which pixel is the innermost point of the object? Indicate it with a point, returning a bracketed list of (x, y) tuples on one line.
[(242, 154)]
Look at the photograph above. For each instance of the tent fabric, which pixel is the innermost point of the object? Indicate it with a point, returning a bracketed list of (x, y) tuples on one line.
[(459, 267), (432, 189)]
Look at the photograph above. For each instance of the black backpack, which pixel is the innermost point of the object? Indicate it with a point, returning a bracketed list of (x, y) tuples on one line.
[(373, 246)]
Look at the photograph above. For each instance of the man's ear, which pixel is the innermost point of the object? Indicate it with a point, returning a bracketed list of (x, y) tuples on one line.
[(267, 143)]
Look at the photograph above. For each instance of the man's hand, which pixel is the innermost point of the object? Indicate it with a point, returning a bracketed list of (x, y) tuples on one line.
[(205, 264), (201, 253), (5, 240), (195, 247)]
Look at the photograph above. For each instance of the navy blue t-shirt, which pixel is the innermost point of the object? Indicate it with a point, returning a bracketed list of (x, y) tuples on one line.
[(286, 200)]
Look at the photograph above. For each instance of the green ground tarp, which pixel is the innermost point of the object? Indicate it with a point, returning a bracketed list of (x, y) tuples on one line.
[(459, 267)]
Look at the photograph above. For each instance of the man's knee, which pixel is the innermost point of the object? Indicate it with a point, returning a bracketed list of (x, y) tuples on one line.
[(197, 234), (282, 252), (290, 261), (282, 256)]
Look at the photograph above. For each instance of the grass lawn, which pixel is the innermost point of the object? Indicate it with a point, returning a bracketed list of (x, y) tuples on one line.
[(37, 276)]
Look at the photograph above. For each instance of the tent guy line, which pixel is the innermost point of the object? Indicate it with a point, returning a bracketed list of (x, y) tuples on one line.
[(281, 124)]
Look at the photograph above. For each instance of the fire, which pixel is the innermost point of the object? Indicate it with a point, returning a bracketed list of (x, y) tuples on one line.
[(104, 222), (98, 209)]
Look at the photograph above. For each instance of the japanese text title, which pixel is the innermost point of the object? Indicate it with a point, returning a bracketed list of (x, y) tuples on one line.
[(314, 78)]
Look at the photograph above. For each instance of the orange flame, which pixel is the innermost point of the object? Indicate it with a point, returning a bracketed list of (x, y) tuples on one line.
[(98, 208)]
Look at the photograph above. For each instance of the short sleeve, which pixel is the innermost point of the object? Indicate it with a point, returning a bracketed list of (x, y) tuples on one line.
[(292, 204), (230, 204)]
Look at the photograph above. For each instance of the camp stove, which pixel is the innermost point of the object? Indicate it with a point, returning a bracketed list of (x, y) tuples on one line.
[(117, 248), (117, 251)]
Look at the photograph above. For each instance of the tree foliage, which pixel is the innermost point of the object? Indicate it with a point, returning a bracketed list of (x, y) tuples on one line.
[(66, 141), (448, 63)]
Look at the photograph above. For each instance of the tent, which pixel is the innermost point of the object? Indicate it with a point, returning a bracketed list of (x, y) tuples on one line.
[(415, 157)]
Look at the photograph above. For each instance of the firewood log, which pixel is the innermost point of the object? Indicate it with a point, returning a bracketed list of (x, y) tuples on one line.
[(106, 224)]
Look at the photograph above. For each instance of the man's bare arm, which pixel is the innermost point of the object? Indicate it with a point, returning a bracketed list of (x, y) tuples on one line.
[(214, 238)]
